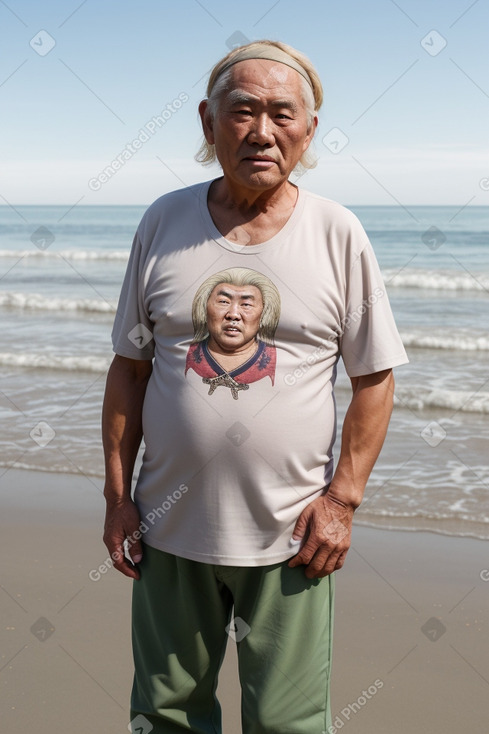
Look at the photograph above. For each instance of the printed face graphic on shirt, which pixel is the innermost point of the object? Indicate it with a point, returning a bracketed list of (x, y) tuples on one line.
[(235, 314), (233, 317)]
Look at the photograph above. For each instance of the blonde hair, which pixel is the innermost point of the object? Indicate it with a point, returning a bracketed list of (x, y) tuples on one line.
[(218, 84), (238, 276)]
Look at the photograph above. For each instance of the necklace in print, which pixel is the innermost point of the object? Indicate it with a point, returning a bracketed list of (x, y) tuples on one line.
[(226, 380)]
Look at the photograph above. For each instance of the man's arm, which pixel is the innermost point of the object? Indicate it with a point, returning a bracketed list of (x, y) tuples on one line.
[(121, 435), (326, 523)]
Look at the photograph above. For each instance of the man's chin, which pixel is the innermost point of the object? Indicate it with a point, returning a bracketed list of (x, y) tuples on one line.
[(229, 347), (262, 180)]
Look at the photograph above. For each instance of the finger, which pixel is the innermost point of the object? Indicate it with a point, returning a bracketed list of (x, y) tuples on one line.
[(304, 556), (295, 561), (136, 553), (134, 547), (304, 552), (312, 545), (127, 569), (341, 560), (300, 527), (122, 565), (323, 564)]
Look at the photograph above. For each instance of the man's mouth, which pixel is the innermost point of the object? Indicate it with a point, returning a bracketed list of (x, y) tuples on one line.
[(260, 158)]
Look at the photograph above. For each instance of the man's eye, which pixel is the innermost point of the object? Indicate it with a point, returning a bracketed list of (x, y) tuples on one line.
[(283, 116)]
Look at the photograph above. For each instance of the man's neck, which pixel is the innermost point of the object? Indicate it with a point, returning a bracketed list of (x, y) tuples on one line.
[(249, 217), (251, 202), (231, 360)]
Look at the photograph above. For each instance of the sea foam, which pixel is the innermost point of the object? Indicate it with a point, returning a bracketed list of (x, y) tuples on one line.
[(37, 302)]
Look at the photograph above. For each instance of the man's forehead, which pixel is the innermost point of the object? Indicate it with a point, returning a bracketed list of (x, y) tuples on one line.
[(270, 75), (237, 290)]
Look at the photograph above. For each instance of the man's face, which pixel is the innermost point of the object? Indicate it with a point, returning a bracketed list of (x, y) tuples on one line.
[(260, 128), (233, 316)]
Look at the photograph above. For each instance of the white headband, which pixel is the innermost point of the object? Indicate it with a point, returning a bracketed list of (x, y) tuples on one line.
[(270, 53)]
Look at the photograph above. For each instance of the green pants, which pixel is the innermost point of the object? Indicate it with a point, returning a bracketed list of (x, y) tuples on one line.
[(282, 624)]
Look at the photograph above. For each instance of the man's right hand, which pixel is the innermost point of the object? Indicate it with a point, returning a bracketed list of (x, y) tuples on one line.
[(122, 523), (122, 431)]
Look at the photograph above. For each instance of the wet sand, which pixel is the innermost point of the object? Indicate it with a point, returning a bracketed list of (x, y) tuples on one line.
[(411, 626)]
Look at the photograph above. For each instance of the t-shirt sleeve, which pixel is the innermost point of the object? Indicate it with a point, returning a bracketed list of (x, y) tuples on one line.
[(369, 341), (132, 333)]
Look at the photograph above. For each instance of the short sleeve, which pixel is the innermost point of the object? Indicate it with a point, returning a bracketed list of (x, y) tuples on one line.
[(369, 339), (132, 333)]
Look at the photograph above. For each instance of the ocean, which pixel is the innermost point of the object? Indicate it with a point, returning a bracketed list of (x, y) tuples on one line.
[(60, 274)]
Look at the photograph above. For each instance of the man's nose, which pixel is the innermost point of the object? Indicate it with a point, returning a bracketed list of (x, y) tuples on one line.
[(233, 312), (261, 132)]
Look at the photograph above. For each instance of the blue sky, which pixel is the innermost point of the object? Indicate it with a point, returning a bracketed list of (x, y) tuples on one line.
[(409, 116)]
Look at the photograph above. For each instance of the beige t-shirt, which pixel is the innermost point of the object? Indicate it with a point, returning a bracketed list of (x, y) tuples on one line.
[(232, 458)]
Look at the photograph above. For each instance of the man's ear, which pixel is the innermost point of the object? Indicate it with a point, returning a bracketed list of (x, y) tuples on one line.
[(207, 122), (311, 132)]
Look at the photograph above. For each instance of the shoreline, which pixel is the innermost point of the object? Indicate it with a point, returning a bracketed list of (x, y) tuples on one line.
[(51, 483), (411, 614), (417, 524)]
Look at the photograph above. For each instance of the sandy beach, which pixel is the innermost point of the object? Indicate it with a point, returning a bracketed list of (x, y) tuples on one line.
[(411, 630)]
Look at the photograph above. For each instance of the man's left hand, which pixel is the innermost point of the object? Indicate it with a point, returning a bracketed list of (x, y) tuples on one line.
[(326, 526)]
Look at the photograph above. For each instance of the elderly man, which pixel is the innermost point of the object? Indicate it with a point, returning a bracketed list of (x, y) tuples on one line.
[(258, 520)]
